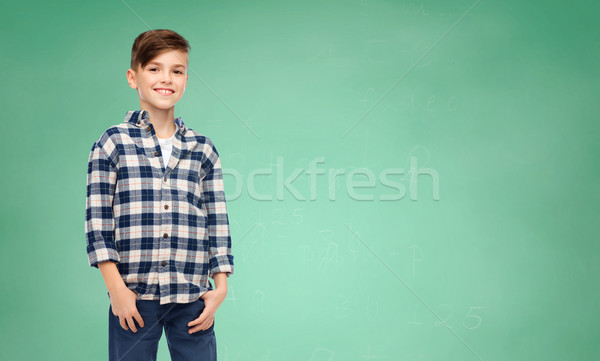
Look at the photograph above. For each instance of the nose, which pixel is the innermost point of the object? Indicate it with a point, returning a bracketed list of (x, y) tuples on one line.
[(166, 78)]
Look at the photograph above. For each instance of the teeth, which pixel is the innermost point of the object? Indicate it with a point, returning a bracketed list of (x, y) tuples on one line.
[(163, 91)]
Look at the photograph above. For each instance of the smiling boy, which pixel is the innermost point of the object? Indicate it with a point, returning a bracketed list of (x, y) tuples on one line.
[(156, 217)]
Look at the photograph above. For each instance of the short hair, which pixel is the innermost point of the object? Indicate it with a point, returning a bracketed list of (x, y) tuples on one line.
[(152, 43)]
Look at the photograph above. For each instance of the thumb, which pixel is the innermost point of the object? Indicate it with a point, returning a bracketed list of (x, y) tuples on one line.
[(200, 319)]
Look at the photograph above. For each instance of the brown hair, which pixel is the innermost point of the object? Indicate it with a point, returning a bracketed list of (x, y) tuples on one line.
[(152, 43)]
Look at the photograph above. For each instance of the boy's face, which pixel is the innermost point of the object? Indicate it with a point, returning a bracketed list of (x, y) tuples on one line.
[(167, 71)]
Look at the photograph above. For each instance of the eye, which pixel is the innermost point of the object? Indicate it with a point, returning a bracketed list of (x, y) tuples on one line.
[(179, 71), (153, 69)]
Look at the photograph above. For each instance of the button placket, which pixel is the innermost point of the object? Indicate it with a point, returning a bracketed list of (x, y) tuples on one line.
[(164, 180), (165, 229)]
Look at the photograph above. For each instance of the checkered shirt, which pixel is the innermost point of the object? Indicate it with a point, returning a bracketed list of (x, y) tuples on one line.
[(167, 229)]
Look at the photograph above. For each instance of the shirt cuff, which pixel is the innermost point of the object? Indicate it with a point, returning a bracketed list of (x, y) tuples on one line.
[(102, 254), (221, 263)]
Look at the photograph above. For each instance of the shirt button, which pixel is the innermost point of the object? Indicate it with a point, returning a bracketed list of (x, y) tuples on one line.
[(165, 179), (166, 206), (163, 263), (165, 235), (156, 154)]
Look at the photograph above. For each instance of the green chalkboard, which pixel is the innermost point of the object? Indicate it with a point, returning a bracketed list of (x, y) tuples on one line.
[(404, 180)]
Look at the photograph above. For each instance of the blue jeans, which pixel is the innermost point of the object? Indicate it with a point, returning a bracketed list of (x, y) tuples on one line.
[(126, 345)]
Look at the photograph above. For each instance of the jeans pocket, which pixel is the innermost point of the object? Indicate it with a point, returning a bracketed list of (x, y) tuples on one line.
[(201, 305)]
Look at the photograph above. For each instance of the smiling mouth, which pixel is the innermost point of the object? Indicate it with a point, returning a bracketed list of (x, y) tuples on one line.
[(164, 92)]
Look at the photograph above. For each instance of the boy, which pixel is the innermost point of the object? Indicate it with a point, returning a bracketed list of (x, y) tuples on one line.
[(156, 219)]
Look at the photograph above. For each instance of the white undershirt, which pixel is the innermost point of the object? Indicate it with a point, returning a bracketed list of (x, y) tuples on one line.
[(166, 146)]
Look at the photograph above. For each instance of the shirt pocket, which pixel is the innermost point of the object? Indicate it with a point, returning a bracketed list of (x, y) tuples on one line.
[(187, 182), (192, 211)]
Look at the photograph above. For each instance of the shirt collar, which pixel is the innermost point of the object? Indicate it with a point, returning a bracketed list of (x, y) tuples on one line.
[(140, 118)]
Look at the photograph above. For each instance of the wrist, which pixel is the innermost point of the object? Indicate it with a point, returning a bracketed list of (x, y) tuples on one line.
[(221, 289), (116, 287)]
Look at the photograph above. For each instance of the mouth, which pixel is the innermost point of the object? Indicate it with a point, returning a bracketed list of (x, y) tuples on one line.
[(164, 92)]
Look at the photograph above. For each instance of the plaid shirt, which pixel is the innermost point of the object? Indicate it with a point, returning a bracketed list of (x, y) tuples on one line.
[(167, 229)]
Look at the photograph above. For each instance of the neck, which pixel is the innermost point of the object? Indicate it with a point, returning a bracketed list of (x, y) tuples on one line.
[(162, 120)]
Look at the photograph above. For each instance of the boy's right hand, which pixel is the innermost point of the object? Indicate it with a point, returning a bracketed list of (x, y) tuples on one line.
[(122, 302)]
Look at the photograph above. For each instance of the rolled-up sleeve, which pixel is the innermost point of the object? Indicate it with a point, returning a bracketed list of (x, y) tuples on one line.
[(213, 196), (99, 220)]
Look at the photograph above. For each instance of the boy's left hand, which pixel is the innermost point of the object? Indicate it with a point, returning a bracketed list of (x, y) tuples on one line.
[(212, 301)]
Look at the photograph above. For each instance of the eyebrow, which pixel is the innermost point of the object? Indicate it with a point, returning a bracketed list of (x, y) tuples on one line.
[(160, 64)]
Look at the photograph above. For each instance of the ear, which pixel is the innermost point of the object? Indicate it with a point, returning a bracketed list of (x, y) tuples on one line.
[(131, 79)]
